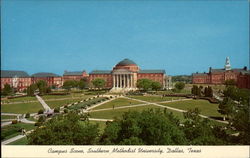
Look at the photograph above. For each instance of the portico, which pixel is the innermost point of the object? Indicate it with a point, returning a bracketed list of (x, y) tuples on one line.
[(123, 79)]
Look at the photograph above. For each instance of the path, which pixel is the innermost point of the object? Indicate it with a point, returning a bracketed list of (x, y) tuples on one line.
[(12, 139), (96, 119), (45, 106), (15, 138)]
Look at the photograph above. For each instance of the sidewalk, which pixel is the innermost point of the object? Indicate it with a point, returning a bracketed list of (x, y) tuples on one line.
[(45, 106)]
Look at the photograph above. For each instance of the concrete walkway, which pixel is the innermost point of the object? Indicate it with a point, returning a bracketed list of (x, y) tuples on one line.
[(95, 119), (45, 106), (12, 139)]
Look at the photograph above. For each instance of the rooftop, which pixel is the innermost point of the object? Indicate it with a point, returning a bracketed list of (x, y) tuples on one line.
[(100, 72), (126, 62), (45, 74), (73, 73), (13, 73), (152, 71)]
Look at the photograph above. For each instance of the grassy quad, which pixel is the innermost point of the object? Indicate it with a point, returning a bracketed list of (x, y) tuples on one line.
[(8, 117), (59, 103), (118, 103), (111, 114), (21, 108), (154, 99), (205, 107), (20, 99)]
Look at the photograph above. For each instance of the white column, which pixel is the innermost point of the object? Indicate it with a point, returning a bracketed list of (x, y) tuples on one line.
[(120, 80), (113, 81)]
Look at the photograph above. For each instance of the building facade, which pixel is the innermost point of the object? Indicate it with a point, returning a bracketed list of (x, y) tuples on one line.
[(50, 78), (74, 75), (244, 80), (218, 76), (18, 80), (124, 76)]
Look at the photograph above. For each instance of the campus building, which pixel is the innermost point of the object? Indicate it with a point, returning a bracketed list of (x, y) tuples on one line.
[(219, 76), (124, 76), (74, 75), (18, 80), (51, 78)]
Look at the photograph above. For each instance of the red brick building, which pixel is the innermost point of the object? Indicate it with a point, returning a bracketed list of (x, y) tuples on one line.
[(74, 75), (218, 76), (125, 75), (18, 80), (51, 78), (244, 80)]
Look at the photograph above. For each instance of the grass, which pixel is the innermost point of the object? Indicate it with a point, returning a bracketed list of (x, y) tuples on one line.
[(8, 117), (204, 105), (118, 103), (111, 114), (59, 103), (14, 130), (88, 103), (22, 141), (70, 96), (153, 99), (21, 99), (21, 108)]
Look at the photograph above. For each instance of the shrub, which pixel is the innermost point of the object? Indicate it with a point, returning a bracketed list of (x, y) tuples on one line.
[(41, 119), (40, 111), (57, 110), (38, 123), (66, 106), (27, 115), (14, 121), (65, 110)]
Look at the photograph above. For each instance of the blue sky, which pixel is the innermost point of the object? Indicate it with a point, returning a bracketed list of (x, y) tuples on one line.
[(180, 37)]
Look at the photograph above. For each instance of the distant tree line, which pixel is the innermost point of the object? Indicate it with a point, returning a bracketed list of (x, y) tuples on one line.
[(182, 78), (147, 84)]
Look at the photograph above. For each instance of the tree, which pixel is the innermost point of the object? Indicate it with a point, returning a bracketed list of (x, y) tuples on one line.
[(149, 127), (53, 131), (31, 89), (98, 83), (199, 131), (83, 83), (230, 82), (7, 90), (156, 85), (70, 84), (179, 86), (226, 107), (196, 90), (144, 84), (42, 86)]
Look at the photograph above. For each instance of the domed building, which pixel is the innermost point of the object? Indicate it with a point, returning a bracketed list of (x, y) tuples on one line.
[(125, 74)]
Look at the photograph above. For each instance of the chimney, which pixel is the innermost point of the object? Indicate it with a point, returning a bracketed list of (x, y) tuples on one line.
[(210, 69)]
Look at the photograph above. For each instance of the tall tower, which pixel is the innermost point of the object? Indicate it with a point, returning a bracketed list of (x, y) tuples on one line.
[(227, 64)]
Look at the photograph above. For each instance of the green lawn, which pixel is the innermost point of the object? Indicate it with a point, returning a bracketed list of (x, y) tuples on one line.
[(8, 117), (22, 141), (118, 103), (21, 108), (21, 99), (204, 105), (14, 130), (110, 114), (71, 95), (59, 103), (155, 98)]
